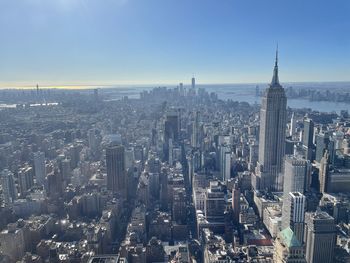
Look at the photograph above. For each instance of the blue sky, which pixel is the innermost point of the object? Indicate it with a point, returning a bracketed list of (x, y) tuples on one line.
[(62, 42)]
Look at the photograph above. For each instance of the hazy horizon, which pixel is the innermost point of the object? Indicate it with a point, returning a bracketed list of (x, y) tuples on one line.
[(145, 85)]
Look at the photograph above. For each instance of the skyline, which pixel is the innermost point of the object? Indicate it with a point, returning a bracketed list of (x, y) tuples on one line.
[(129, 42)]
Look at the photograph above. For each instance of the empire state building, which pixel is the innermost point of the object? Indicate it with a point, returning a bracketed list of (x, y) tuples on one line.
[(272, 136)]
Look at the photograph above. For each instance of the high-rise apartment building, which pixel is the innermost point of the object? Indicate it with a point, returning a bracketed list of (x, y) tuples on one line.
[(8, 186), (272, 136), (26, 179), (55, 184)]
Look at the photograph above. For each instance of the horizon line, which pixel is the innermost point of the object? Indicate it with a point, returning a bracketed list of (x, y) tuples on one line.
[(161, 84)]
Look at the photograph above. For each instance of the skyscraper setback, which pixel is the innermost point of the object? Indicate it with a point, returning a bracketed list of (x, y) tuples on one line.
[(272, 136)]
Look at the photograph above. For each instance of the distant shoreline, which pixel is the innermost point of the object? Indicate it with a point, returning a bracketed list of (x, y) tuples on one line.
[(309, 84)]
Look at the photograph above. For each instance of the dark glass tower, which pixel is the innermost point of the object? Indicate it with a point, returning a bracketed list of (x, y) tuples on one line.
[(115, 161)]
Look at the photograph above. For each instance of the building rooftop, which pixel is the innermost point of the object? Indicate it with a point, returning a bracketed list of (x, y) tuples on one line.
[(104, 259), (289, 239)]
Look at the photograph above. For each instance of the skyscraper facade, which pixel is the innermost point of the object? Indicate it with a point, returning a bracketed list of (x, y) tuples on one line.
[(293, 214), (225, 163), (172, 126), (272, 136), (115, 161), (8, 186), (195, 131), (322, 141), (297, 174), (293, 124), (320, 237), (214, 204), (39, 167), (26, 179), (236, 196), (308, 138), (308, 135), (323, 172)]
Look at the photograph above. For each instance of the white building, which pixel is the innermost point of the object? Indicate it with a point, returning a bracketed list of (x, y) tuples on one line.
[(225, 163), (294, 214)]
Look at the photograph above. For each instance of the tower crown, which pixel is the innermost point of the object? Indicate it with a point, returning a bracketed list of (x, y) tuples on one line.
[(275, 81)]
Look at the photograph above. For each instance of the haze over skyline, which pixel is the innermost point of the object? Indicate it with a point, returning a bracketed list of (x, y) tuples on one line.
[(77, 42)]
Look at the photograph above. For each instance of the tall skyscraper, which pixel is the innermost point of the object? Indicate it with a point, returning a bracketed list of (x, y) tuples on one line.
[(322, 141), (163, 181), (225, 162), (129, 158), (308, 138), (92, 140), (293, 214), (323, 172), (293, 124), (308, 132), (297, 174), (320, 235), (171, 132), (195, 131), (55, 184), (272, 136), (39, 167), (181, 89), (8, 186), (172, 126), (193, 83), (115, 161), (236, 198), (26, 179), (65, 169), (253, 155)]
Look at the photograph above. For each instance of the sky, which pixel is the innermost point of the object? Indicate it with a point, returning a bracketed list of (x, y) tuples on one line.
[(122, 42)]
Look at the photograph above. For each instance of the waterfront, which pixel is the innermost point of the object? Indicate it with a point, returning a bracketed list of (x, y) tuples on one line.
[(235, 92)]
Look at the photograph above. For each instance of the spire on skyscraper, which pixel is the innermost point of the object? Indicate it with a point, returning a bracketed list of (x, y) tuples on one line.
[(275, 81)]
